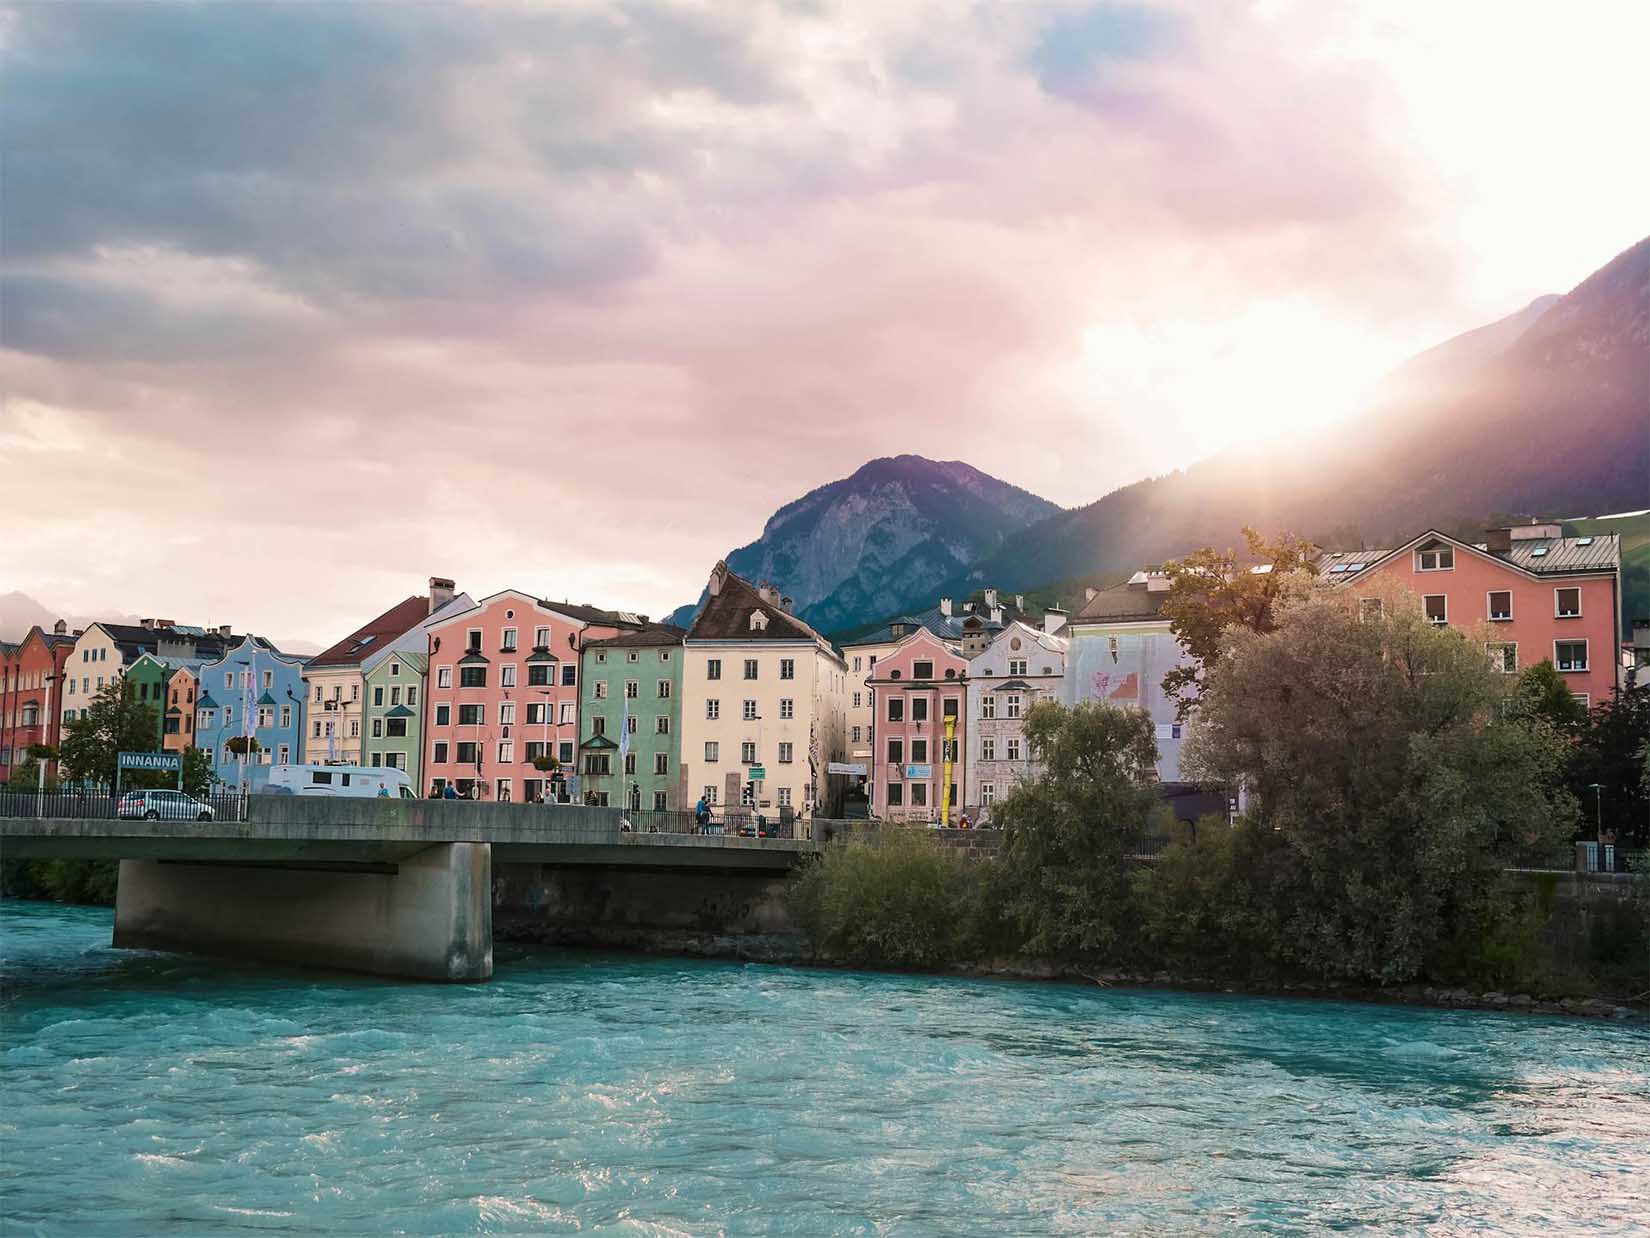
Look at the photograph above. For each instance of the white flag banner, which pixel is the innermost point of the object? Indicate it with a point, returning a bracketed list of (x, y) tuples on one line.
[(624, 731)]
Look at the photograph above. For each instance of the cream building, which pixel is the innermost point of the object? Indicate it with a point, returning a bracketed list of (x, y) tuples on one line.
[(763, 693)]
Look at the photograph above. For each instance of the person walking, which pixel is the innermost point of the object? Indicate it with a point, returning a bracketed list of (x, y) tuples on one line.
[(701, 815)]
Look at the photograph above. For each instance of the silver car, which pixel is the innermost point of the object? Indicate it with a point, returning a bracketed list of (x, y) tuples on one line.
[(162, 806)]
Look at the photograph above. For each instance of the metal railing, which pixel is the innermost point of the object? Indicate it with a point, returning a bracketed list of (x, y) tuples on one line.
[(102, 804)]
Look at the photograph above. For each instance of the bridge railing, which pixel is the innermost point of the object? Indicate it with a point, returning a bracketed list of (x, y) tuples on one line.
[(101, 804)]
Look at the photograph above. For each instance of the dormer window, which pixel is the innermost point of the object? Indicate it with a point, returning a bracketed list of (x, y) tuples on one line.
[(922, 670), (759, 621), (1435, 559), (896, 629)]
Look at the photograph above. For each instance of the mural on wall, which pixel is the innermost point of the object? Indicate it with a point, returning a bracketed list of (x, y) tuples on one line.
[(1109, 686)]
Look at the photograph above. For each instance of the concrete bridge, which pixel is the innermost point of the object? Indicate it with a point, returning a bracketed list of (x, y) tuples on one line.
[(395, 887)]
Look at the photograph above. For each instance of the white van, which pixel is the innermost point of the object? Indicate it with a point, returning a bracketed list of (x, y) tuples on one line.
[(340, 780)]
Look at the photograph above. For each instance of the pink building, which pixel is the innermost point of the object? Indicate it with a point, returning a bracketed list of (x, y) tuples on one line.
[(504, 692), (1530, 593), (919, 695)]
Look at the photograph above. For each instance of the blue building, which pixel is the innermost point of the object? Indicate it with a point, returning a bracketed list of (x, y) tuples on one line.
[(256, 690)]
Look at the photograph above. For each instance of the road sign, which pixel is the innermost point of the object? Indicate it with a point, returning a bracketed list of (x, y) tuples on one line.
[(171, 762), (758, 774), (847, 767)]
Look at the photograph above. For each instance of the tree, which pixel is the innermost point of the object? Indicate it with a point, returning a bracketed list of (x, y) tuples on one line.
[(243, 745), (1070, 834), (197, 772), (1611, 752), (1378, 755), (115, 722), (1542, 693), (1211, 591)]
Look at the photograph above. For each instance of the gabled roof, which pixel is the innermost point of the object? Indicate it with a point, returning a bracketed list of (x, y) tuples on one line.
[(599, 741), (205, 701), (1049, 642), (399, 711), (1130, 601), (727, 612), (1536, 557), (652, 636), (396, 621), (566, 610)]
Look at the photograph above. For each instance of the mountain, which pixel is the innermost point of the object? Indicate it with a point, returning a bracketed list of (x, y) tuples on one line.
[(19, 612), (1546, 412), (884, 538)]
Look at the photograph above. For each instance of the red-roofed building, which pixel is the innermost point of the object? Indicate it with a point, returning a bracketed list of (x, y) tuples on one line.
[(31, 695)]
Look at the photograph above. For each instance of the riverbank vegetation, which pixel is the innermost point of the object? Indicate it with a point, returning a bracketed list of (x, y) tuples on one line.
[(1392, 779)]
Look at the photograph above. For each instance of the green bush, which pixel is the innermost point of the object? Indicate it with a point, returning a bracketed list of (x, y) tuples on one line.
[(1207, 906), (61, 881), (901, 899)]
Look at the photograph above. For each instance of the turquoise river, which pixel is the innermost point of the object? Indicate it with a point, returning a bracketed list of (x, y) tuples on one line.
[(149, 1094)]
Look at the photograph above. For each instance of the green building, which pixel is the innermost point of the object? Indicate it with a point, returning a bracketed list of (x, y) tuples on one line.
[(635, 675), (392, 721)]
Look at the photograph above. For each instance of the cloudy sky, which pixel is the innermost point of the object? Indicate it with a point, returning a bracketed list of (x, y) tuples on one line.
[(303, 303)]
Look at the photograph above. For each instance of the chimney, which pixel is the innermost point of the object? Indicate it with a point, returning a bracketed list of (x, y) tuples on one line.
[(1531, 531), (226, 629), (718, 574), (991, 599), (1498, 541), (945, 607), (768, 593), (996, 613), (79, 632), (166, 623), (1053, 620), (1157, 582), (441, 592), (60, 628), (785, 604), (146, 623), (1088, 593), (1019, 601)]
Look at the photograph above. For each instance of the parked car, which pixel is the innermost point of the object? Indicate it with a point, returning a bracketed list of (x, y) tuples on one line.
[(162, 806)]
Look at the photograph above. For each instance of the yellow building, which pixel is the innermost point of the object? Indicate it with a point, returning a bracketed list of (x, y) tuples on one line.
[(764, 706)]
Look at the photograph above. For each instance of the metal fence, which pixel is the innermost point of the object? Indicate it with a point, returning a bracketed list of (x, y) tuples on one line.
[(103, 804), (722, 820)]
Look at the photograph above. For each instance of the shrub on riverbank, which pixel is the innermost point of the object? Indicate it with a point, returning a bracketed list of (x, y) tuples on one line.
[(61, 881)]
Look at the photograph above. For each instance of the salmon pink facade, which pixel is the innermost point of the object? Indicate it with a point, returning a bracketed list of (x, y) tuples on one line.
[(504, 692), (920, 689), (1529, 593), (31, 696)]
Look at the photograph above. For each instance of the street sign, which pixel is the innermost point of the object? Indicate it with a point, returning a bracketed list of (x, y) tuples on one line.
[(170, 762), (858, 768), (919, 771), (758, 774)]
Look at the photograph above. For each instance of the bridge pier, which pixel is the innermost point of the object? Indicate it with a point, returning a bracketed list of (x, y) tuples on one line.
[(427, 916)]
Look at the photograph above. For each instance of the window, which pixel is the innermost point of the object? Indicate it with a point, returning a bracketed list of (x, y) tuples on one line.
[(507, 676), (355, 728), (468, 752), (988, 793), (598, 763), (661, 801), (664, 655), (896, 709), (856, 700), (412, 695), (506, 713), (377, 697), (784, 754), (1571, 655), (1435, 559), (747, 753), (630, 724), (355, 692), (1017, 666), (783, 797), (378, 728), (1013, 705), (710, 794), (229, 682), (713, 709), (395, 728), (541, 638), (395, 695), (472, 676), (317, 730), (1585, 700), (1500, 605), (713, 668), (506, 751), (1503, 656), (1012, 747), (631, 689), (469, 715), (664, 689), (661, 762), (856, 662), (661, 725), (750, 668), (1437, 608), (787, 668), (598, 725), (749, 711), (919, 709), (856, 734), (443, 679), (922, 670), (508, 644), (896, 794), (949, 706), (443, 714), (713, 751), (919, 795), (919, 752), (630, 656), (566, 712), (1567, 603), (503, 792), (283, 755), (541, 675), (395, 669), (569, 676), (988, 747), (535, 713), (473, 640), (599, 690), (564, 752), (988, 706), (787, 707)]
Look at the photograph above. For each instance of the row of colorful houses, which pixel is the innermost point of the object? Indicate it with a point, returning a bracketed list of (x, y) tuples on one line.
[(516, 698)]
